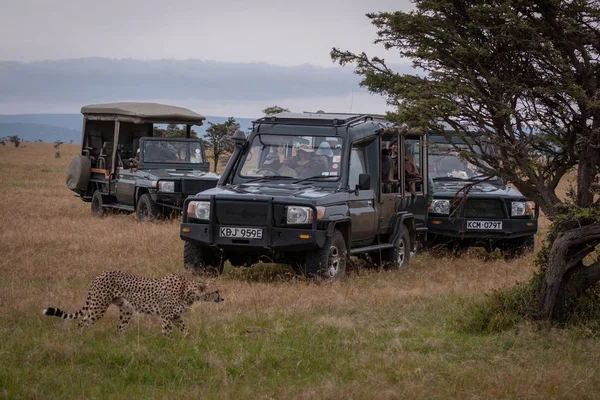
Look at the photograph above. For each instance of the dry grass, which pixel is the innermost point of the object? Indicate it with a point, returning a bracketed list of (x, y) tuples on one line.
[(376, 335)]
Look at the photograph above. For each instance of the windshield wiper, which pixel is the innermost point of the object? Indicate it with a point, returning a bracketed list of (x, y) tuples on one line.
[(315, 177), (269, 178)]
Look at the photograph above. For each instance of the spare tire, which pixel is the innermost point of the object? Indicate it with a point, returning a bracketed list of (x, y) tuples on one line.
[(78, 173)]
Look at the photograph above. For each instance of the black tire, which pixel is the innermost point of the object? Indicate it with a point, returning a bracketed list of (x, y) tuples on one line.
[(147, 210), (328, 262), (398, 257), (78, 174), (96, 205), (200, 259)]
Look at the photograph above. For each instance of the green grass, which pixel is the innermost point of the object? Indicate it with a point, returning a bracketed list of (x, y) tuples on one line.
[(328, 352)]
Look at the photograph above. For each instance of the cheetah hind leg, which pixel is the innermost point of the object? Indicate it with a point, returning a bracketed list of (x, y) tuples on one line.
[(94, 313), (167, 326)]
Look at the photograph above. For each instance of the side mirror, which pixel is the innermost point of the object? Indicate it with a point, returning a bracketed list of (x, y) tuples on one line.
[(364, 182)]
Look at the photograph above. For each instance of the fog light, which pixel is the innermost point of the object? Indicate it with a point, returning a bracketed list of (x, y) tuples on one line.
[(529, 224), (186, 230), (436, 222), (304, 236)]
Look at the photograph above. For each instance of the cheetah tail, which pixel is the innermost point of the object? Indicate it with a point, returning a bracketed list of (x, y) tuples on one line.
[(56, 312)]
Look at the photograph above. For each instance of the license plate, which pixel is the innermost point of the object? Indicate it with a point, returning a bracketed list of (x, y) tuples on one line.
[(486, 225), (244, 233)]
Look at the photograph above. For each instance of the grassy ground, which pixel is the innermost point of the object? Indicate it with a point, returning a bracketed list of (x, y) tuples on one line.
[(376, 335)]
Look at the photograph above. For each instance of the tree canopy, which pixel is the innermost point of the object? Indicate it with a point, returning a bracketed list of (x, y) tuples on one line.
[(218, 139), (274, 110), (522, 75)]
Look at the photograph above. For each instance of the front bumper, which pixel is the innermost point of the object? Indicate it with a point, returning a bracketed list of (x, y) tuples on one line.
[(273, 238), (458, 228)]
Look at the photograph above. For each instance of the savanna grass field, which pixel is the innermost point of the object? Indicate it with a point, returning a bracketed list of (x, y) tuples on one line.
[(376, 335)]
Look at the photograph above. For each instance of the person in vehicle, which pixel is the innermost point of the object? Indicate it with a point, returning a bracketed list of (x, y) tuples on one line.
[(155, 151), (135, 161), (326, 153), (306, 163), (196, 157)]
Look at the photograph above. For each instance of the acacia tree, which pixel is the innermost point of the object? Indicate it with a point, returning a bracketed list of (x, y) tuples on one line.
[(218, 139), (522, 75), (274, 110)]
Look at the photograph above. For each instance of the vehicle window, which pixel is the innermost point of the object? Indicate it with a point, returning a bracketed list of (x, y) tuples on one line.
[(445, 162), (171, 151), (358, 165), (291, 156)]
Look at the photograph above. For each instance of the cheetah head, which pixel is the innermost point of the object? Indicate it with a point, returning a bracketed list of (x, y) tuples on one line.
[(200, 291)]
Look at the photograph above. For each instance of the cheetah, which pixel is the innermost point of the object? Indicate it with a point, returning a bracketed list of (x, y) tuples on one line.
[(166, 297)]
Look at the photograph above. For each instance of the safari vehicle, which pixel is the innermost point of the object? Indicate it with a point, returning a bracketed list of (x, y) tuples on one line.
[(123, 167), (470, 208), (309, 190)]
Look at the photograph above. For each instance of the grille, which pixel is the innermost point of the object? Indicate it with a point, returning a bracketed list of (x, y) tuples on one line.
[(194, 186), (240, 213), (484, 209)]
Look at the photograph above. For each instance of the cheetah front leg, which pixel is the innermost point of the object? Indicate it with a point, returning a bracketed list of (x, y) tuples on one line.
[(167, 326), (182, 326), (126, 311)]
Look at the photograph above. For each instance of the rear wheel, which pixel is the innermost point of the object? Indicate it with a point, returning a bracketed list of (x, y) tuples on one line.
[(96, 204), (147, 210), (200, 259), (330, 261), (399, 256)]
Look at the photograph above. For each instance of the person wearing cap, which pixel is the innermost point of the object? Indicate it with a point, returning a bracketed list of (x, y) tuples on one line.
[(306, 164)]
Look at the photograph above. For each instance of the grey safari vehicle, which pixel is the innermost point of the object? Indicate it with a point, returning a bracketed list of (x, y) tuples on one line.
[(313, 210), (123, 167)]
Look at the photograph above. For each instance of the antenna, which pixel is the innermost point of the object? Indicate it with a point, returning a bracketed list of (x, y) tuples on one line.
[(352, 100)]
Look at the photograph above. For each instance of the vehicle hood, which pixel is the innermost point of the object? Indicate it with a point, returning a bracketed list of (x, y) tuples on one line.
[(288, 190), (173, 173), (482, 189)]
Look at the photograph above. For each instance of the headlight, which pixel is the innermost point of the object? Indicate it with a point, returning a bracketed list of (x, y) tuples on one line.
[(522, 208), (440, 207), (199, 210), (299, 215), (166, 186)]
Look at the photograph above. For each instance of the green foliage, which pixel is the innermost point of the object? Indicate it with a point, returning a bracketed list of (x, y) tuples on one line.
[(502, 309), (218, 138), (173, 131), (14, 140), (274, 110)]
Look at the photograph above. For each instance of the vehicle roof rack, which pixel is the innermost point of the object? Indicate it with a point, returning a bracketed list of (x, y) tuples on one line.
[(317, 119)]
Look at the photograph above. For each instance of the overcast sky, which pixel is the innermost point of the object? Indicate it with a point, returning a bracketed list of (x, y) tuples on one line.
[(282, 33)]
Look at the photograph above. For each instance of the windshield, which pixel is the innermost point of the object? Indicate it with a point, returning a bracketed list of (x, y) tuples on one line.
[(171, 151), (289, 156), (445, 162)]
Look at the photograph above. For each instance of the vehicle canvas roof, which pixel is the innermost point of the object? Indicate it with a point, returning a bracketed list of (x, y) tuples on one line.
[(144, 112)]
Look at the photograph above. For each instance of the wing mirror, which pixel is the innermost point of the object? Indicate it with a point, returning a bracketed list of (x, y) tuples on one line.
[(364, 183)]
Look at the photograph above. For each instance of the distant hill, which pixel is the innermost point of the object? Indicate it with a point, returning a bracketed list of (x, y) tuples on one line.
[(67, 127)]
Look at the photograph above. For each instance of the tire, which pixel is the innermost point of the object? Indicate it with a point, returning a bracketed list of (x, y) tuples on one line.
[(200, 259), (328, 262), (78, 174), (147, 210), (96, 205), (398, 257)]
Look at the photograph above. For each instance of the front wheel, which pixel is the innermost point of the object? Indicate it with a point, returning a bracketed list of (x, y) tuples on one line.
[(147, 210), (96, 204), (398, 256), (200, 259), (330, 261)]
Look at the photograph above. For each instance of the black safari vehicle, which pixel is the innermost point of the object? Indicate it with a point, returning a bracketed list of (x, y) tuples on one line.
[(123, 167), (470, 208), (309, 190)]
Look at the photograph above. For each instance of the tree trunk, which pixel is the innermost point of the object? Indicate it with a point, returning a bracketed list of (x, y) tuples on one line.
[(565, 274), (216, 160)]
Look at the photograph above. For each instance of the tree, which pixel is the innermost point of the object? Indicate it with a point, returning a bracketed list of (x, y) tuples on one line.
[(15, 140), (523, 76), (218, 138), (274, 110)]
